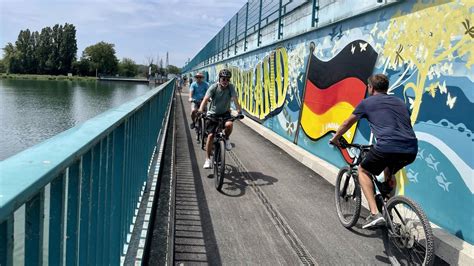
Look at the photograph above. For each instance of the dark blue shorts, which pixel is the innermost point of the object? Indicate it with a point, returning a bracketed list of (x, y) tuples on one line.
[(211, 126), (375, 161)]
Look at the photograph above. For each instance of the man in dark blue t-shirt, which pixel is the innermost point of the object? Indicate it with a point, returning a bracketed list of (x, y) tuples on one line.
[(396, 145)]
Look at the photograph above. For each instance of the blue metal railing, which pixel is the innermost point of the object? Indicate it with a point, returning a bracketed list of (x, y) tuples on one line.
[(76, 193), (251, 18)]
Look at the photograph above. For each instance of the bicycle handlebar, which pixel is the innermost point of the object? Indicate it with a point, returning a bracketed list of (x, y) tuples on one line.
[(345, 144), (217, 119)]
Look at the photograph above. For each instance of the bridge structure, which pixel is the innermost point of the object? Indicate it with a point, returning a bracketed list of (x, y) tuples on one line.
[(127, 187)]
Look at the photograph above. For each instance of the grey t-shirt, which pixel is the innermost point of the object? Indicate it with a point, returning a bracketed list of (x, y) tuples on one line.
[(220, 98)]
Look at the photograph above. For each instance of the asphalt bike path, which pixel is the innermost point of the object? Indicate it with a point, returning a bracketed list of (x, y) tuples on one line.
[(272, 209)]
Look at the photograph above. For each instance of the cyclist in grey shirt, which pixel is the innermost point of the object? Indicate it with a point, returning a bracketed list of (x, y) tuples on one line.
[(222, 93)]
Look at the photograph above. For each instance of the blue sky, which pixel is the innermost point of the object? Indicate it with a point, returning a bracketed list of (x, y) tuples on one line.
[(140, 29)]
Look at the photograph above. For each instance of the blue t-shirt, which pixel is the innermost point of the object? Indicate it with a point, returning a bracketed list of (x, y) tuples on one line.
[(199, 90), (389, 120)]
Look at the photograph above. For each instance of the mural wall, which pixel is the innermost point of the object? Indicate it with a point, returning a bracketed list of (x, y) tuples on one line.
[(306, 87)]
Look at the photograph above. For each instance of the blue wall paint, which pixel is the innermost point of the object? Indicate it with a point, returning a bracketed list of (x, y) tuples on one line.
[(441, 179)]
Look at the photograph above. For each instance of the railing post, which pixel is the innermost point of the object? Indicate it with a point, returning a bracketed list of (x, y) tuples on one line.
[(280, 25), (56, 213), (259, 35), (228, 40), (107, 201), (218, 40), (246, 25), (223, 42), (84, 220), (34, 230), (314, 17), (117, 194), (6, 242), (72, 214), (236, 35)]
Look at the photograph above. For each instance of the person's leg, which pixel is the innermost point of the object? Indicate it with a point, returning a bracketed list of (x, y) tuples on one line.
[(193, 114), (389, 177), (372, 165), (367, 186), (210, 139), (228, 128), (194, 109)]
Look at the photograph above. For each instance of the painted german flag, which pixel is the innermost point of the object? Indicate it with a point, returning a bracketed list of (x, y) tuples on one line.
[(334, 88)]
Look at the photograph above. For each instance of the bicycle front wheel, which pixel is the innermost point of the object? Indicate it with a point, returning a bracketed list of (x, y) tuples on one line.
[(219, 164), (348, 197), (410, 238)]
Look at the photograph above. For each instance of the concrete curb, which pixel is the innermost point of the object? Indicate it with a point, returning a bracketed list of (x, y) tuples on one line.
[(448, 247)]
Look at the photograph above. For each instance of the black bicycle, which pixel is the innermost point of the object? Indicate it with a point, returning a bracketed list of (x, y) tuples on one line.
[(409, 238), (199, 126), (218, 160)]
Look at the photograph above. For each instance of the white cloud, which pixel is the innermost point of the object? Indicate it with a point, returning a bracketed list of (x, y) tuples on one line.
[(138, 28)]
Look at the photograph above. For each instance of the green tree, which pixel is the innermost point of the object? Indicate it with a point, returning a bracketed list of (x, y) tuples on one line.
[(43, 51), (11, 59), (25, 46), (67, 48), (3, 68), (128, 68), (54, 55), (83, 67), (173, 69), (102, 57)]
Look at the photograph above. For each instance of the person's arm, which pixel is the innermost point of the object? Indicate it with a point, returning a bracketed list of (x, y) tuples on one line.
[(343, 128), (191, 90), (204, 103), (237, 104)]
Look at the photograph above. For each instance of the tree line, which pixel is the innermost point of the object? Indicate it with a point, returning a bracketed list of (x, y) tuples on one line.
[(53, 52)]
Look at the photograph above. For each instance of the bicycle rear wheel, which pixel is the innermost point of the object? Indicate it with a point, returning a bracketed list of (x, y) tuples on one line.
[(410, 238), (198, 130), (219, 165), (203, 133), (348, 198)]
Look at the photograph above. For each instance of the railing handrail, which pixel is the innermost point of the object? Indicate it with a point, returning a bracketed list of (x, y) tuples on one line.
[(22, 175)]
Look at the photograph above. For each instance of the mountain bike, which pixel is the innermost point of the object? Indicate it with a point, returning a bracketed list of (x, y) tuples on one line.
[(199, 126), (201, 133), (409, 238), (218, 159)]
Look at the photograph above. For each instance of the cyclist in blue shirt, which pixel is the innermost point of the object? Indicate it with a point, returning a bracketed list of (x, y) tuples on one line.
[(396, 146), (197, 90)]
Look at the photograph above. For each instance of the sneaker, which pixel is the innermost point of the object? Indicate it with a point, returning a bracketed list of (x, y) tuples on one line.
[(373, 220), (192, 126), (207, 164), (228, 145)]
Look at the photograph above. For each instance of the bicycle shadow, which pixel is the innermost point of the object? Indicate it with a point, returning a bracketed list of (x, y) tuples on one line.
[(236, 182)]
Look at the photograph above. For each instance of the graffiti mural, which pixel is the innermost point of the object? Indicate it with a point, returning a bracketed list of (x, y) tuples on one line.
[(334, 88), (425, 48), (262, 90)]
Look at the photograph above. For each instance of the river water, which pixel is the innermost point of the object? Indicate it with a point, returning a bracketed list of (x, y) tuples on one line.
[(32, 111)]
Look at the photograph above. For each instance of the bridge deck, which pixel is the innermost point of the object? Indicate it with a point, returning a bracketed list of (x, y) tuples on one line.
[(273, 209)]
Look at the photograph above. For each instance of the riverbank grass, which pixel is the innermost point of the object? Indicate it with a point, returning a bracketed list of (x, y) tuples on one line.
[(45, 77)]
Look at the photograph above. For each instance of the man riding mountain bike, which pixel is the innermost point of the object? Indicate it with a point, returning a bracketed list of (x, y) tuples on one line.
[(396, 146), (197, 90), (222, 93)]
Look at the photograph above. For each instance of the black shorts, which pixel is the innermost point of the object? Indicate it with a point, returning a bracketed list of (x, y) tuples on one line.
[(211, 126), (376, 161)]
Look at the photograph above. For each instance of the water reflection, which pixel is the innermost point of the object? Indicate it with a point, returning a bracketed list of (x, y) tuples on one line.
[(32, 111)]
